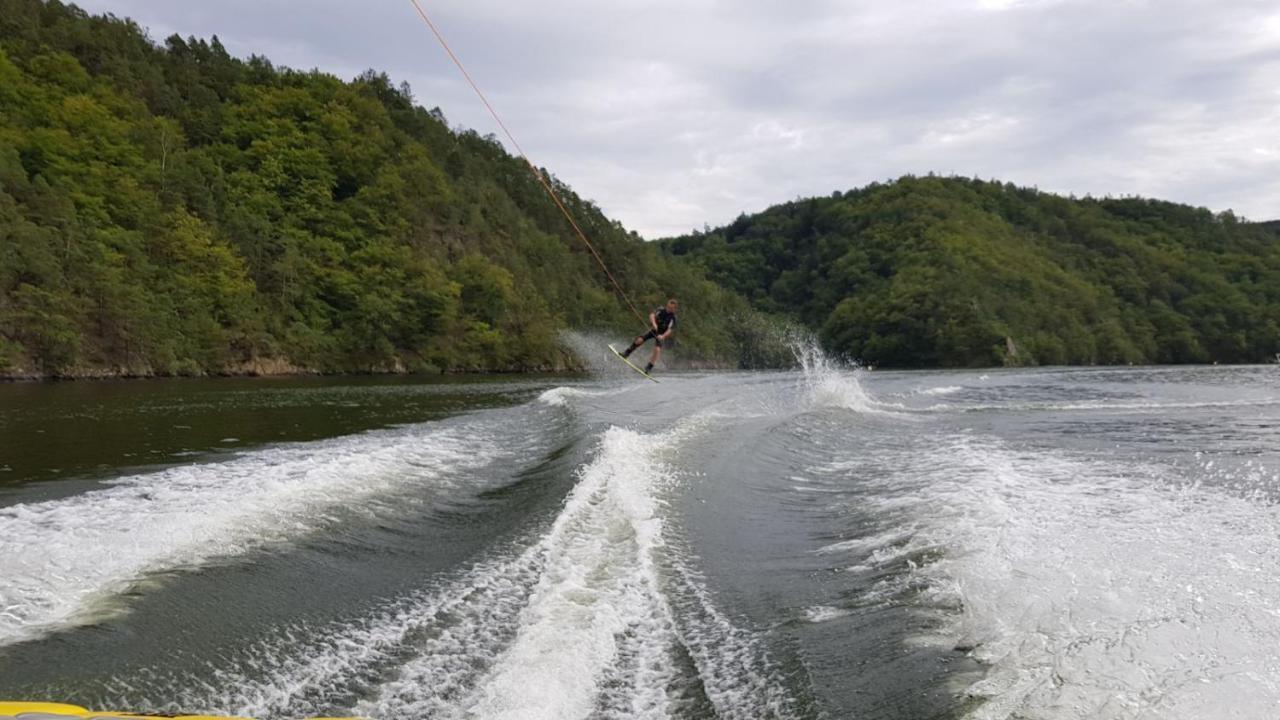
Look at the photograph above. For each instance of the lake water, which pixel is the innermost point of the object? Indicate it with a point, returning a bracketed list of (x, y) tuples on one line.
[(821, 543)]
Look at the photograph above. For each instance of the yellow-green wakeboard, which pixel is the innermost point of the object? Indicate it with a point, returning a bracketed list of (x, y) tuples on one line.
[(632, 365)]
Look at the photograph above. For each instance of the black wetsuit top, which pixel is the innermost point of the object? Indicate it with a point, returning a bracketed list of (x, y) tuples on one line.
[(664, 318)]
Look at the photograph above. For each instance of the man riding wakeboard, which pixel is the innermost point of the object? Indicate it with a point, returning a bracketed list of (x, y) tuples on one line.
[(663, 323)]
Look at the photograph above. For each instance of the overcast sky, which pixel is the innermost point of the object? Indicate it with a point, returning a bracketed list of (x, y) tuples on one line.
[(675, 113)]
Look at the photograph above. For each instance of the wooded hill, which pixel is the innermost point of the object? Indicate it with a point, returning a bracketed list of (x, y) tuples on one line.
[(170, 209), (932, 271)]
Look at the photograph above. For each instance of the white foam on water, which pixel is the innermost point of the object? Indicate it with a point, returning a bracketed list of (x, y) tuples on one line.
[(823, 613), (576, 620), (452, 629), (737, 674), (63, 561), (1105, 405), (597, 632), (871, 543), (1092, 590), (598, 583), (563, 395), (557, 396), (942, 390)]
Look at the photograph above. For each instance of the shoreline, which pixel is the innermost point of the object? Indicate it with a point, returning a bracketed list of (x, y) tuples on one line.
[(99, 375), (284, 369), (105, 376)]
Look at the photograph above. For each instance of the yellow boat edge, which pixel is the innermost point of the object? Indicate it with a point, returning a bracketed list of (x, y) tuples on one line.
[(58, 711)]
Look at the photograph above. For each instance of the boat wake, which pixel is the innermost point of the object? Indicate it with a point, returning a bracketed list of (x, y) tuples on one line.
[(1080, 584), (74, 560), (596, 616)]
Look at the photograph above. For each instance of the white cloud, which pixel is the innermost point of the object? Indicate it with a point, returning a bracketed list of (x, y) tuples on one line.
[(672, 114)]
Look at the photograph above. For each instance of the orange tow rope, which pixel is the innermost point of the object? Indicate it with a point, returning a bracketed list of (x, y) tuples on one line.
[(524, 156)]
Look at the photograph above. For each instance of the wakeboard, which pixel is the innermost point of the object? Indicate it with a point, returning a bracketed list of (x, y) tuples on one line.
[(633, 366)]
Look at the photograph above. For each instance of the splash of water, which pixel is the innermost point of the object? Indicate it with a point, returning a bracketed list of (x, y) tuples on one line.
[(830, 383)]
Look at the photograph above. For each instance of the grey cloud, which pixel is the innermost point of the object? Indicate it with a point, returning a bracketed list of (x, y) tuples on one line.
[(675, 113)]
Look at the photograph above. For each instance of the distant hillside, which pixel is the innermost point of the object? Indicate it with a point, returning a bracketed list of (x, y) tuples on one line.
[(953, 272), (175, 210)]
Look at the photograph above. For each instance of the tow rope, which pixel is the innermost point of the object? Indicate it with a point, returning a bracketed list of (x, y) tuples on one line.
[(524, 156)]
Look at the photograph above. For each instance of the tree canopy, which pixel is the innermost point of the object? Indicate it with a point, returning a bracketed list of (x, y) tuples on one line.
[(933, 271), (171, 209)]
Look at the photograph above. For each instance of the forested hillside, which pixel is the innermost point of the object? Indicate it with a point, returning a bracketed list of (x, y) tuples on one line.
[(174, 210), (952, 272)]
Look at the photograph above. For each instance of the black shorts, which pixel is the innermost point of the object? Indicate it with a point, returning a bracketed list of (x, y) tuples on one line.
[(653, 335)]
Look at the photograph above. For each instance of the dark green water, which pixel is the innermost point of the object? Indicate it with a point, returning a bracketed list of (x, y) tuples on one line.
[(89, 429)]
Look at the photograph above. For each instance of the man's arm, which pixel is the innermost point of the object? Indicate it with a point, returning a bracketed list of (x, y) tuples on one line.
[(653, 320), (670, 329)]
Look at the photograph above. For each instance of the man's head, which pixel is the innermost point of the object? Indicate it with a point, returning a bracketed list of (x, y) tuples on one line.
[(672, 306)]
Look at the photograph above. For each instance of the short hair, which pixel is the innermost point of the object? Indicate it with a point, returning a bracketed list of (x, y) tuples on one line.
[(672, 300)]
